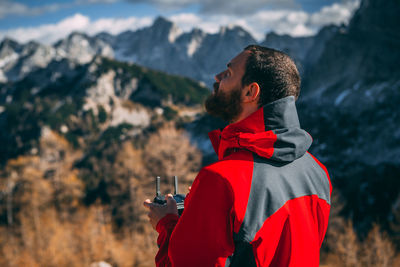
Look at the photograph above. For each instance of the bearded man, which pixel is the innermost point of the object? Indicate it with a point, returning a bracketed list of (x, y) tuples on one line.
[(266, 201)]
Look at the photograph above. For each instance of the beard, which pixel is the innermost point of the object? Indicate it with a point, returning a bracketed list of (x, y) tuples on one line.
[(224, 105)]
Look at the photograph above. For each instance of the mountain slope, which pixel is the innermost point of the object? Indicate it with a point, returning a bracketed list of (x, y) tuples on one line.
[(350, 104), (81, 101)]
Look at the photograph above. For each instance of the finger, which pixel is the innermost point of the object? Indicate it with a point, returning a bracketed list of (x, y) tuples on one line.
[(147, 203), (170, 199), (190, 188)]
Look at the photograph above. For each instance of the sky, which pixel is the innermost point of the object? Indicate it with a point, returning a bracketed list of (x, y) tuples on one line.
[(47, 21)]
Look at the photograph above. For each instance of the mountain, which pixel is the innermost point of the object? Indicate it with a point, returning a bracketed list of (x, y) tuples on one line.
[(80, 102), (18, 60), (161, 46), (81, 48), (358, 75), (9, 51), (349, 103), (304, 50)]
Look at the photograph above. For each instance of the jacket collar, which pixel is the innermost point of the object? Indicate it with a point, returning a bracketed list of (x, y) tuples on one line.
[(273, 132)]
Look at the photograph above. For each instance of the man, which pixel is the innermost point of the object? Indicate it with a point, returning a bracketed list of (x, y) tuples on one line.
[(266, 201)]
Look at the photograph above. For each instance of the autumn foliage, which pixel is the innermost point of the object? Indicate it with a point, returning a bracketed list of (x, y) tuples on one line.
[(62, 206)]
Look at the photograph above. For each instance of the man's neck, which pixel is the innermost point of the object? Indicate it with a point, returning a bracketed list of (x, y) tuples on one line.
[(247, 111)]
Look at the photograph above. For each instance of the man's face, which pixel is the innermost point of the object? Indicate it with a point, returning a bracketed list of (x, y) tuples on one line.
[(225, 100)]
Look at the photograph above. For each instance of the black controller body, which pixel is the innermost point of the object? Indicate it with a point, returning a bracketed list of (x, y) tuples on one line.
[(179, 198)]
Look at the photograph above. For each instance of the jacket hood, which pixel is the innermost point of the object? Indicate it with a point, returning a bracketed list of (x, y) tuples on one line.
[(272, 132)]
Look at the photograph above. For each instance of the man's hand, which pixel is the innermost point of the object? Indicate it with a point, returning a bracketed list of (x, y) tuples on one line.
[(157, 211)]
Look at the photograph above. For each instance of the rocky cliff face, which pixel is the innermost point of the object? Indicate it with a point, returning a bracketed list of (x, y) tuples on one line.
[(195, 54), (81, 48), (80, 102), (350, 105), (304, 50), (358, 75)]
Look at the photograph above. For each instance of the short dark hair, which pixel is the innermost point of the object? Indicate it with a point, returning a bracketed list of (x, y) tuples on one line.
[(274, 71)]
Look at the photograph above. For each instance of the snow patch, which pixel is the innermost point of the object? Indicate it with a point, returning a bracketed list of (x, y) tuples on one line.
[(55, 76), (104, 91), (35, 90), (174, 34), (356, 86), (4, 61), (193, 46), (101, 93), (376, 89), (3, 78), (64, 128), (242, 33), (130, 88), (341, 97), (136, 116)]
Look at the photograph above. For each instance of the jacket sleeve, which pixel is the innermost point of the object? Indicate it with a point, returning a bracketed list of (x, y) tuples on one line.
[(203, 234), (164, 228)]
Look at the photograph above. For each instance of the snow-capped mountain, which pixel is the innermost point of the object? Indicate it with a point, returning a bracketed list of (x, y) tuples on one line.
[(162, 46), (82, 48), (18, 60)]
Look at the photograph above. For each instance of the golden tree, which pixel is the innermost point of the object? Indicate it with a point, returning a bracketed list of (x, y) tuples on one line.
[(169, 152)]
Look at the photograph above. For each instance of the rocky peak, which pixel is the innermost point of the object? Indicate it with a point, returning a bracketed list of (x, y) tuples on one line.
[(162, 23), (296, 47), (377, 17), (234, 31), (165, 29), (355, 56), (74, 39), (9, 46), (191, 41), (197, 32), (82, 48), (105, 37), (31, 47)]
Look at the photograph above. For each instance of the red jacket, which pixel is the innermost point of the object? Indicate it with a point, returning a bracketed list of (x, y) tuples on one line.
[(265, 202)]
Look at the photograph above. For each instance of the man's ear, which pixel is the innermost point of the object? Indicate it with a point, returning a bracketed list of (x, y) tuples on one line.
[(251, 93)]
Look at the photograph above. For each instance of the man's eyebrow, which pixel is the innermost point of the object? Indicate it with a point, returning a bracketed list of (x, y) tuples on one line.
[(229, 65)]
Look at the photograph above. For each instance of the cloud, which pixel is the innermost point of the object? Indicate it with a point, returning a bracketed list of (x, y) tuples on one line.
[(96, 1), (50, 33), (9, 8), (284, 21), (295, 23), (229, 7), (335, 14)]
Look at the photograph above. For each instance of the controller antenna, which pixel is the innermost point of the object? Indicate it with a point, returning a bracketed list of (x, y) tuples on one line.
[(158, 193), (176, 184)]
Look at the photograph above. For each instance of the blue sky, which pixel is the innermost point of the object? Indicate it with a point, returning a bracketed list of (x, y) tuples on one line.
[(47, 20)]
